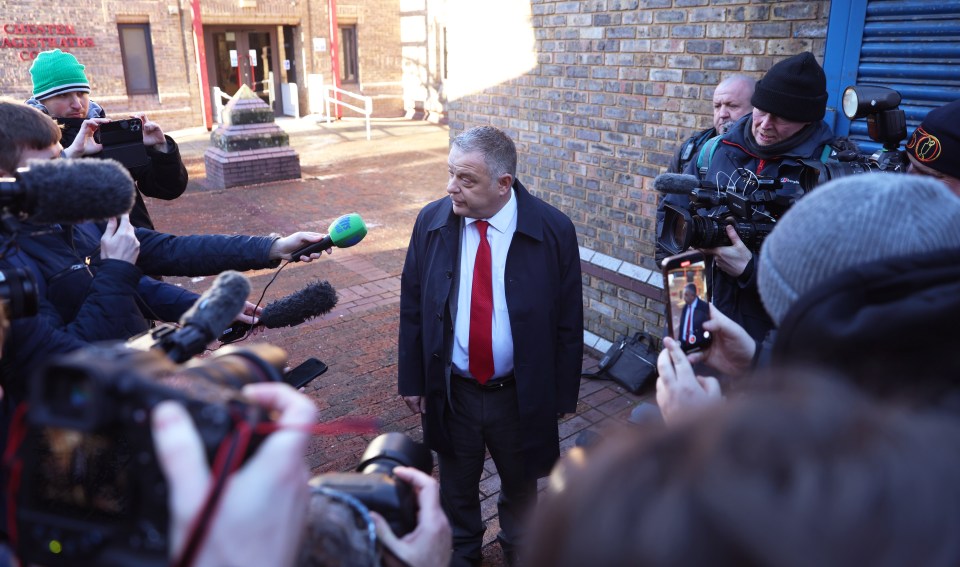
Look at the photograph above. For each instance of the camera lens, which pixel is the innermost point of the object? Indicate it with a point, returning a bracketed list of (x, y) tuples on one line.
[(18, 292), (395, 449)]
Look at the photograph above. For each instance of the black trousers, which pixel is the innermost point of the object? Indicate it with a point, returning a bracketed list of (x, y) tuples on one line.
[(484, 419)]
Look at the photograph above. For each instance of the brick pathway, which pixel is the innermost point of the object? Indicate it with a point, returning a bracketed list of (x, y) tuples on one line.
[(387, 181)]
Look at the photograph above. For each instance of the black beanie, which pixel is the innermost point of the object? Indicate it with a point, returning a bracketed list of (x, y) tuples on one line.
[(936, 142), (795, 89)]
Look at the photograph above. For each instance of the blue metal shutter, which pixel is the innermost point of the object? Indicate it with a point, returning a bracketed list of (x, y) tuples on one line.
[(911, 46)]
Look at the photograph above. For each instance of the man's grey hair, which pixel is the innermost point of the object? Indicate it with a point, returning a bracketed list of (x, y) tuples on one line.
[(499, 151)]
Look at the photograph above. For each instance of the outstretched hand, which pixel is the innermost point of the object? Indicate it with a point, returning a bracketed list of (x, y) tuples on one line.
[(284, 247), (680, 392)]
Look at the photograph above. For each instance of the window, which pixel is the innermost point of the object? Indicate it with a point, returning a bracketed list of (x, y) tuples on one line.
[(348, 54), (137, 53)]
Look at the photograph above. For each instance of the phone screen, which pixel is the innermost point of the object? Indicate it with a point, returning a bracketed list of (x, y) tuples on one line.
[(685, 277)]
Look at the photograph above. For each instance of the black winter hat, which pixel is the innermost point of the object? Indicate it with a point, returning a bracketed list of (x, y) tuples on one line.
[(936, 142), (795, 89)]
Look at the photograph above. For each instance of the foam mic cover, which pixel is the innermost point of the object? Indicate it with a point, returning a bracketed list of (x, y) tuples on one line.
[(209, 316), (316, 299), (675, 183), (342, 233), (70, 191)]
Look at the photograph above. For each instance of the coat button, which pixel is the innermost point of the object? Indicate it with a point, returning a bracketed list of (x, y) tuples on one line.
[(449, 275), (439, 316)]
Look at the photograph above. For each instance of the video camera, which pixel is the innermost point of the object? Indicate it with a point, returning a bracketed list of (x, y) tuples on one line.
[(375, 485), (752, 204), (85, 481)]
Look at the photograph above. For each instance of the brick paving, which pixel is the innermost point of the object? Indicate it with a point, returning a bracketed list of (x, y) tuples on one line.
[(387, 180)]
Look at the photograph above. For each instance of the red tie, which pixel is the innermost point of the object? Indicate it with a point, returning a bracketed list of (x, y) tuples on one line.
[(481, 311)]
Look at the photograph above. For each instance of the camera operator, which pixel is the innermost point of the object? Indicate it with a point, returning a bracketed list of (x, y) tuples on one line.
[(934, 148), (61, 90), (881, 307), (785, 127), (731, 101)]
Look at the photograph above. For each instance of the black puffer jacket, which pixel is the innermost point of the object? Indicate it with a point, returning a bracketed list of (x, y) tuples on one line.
[(891, 325)]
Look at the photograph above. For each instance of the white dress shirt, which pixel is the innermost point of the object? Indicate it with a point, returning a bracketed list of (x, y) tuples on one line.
[(499, 235)]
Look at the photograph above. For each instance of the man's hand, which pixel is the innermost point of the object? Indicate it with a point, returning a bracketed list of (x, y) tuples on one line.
[(264, 506), (84, 144), (119, 241), (731, 349), (283, 247), (681, 393), (152, 134), (417, 404), (250, 314), (731, 259), (430, 544)]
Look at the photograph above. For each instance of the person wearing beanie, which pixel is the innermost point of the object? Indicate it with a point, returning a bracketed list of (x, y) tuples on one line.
[(934, 147), (61, 90), (863, 276), (785, 129)]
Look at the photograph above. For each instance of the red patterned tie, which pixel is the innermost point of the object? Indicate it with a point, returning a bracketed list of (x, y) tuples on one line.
[(481, 311)]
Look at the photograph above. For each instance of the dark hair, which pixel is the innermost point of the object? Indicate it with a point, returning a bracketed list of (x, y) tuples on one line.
[(814, 474), (23, 127), (499, 151)]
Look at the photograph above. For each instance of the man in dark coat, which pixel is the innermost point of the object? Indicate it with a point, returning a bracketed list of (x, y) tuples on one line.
[(692, 316), (62, 91), (491, 335), (785, 129)]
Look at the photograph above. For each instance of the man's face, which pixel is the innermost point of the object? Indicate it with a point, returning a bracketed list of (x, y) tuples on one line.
[(68, 105), (475, 194), (689, 295), (918, 168), (770, 129), (730, 102)]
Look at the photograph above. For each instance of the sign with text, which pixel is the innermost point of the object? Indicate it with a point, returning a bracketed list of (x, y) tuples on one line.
[(31, 39)]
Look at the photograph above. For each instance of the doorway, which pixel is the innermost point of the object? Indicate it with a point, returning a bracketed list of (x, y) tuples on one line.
[(244, 56)]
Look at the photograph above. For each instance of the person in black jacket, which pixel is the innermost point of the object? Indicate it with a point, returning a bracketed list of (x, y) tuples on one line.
[(785, 129), (61, 90), (731, 101)]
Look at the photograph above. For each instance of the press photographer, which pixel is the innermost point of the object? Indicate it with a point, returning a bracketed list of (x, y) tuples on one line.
[(386, 513)]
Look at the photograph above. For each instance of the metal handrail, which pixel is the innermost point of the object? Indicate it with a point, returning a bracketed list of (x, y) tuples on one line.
[(367, 109)]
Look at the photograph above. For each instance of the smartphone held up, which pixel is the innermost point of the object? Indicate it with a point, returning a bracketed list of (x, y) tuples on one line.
[(685, 278)]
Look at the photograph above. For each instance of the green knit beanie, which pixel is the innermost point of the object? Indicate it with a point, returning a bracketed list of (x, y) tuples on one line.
[(55, 72)]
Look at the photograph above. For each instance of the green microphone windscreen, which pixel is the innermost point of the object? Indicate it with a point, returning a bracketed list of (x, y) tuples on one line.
[(347, 230)]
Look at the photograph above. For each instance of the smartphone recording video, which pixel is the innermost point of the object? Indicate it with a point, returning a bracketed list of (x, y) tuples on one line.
[(687, 309)]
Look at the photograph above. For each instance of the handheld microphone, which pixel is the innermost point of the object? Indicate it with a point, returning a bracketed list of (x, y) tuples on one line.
[(316, 299), (342, 233), (68, 191), (675, 183), (209, 316)]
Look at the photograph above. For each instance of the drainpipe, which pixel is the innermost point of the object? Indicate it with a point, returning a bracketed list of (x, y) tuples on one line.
[(334, 52), (201, 53)]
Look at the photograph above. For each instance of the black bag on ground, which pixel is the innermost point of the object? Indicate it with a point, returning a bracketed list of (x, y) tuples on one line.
[(630, 362)]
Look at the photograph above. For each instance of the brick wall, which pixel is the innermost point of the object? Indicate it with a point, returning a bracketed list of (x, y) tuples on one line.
[(617, 85)]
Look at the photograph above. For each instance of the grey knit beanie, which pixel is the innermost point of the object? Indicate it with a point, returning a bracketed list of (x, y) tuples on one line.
[(853, 221)]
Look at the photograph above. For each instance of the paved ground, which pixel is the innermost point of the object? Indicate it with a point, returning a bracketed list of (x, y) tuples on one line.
[(386, 180)]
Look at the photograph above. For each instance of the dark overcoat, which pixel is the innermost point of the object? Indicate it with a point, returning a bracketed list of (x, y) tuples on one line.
[(545, 302)]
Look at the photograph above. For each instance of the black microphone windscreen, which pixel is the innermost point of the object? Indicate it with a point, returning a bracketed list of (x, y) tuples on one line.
[(74, 190), (675, 183), (219, 305), (312, 301)]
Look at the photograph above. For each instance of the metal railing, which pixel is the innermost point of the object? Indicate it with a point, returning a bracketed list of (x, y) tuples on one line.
[(329, 96)]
